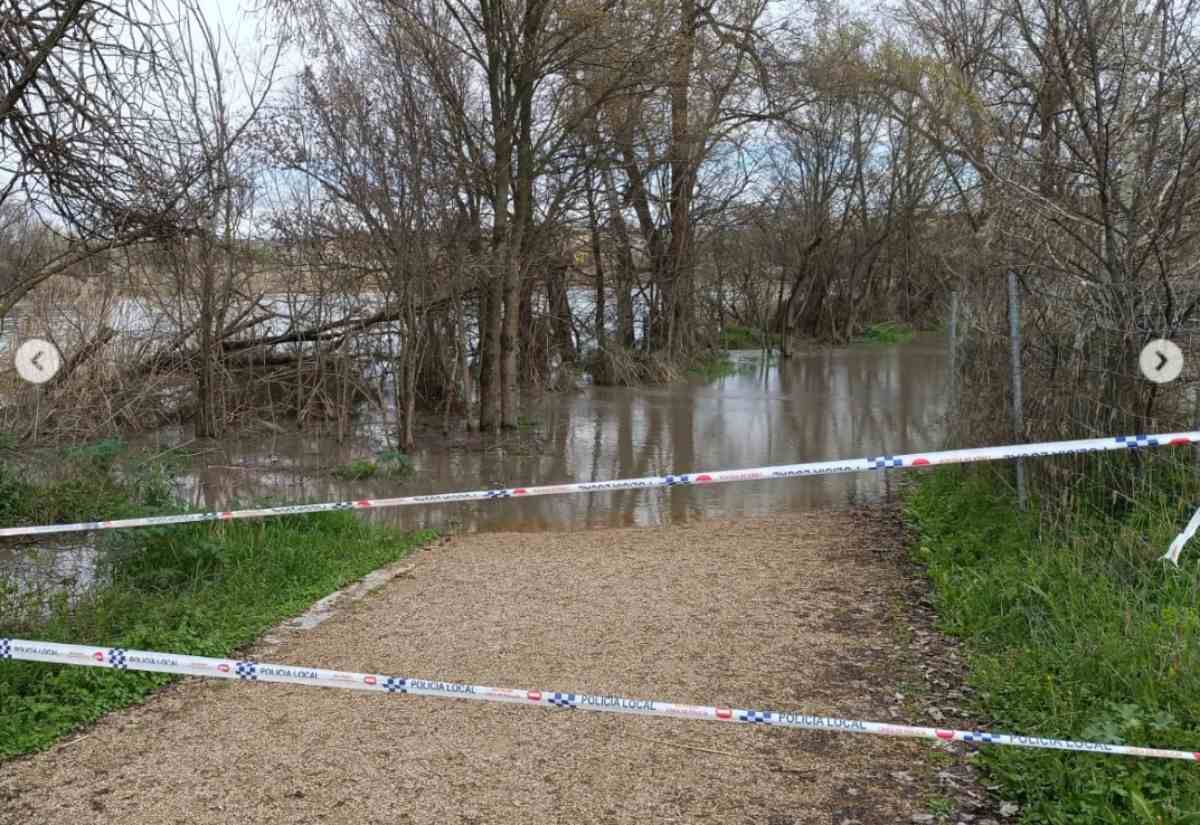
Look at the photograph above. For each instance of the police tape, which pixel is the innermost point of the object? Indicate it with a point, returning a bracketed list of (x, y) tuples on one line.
[(854, 465), (1172, 554), (252, 671)]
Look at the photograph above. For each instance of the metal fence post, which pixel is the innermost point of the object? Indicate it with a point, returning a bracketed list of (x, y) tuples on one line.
[(1196, 422), (952, 378), (1018, 418)]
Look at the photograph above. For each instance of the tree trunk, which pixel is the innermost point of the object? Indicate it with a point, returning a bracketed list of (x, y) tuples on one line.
[(522, 222), (624, 285), (206, 423), (560, 312), (490, 305), (598, 265), (675, 271), (510, 344), (411, 368)]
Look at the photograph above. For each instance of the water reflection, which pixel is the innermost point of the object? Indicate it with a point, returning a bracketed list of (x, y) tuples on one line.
[(820, 405)]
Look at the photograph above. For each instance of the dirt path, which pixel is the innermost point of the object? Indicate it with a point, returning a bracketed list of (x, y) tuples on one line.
[(797, 613)]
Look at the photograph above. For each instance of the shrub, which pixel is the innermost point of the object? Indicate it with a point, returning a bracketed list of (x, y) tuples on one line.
[(356, 470), (887, 332)]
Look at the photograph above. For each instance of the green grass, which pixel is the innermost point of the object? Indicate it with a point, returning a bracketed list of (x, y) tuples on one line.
[(714, 366), (390, 464), (885, 333), (198, 589), (734, 336), (396, 464), (722, 364), (356, 470), (1074, 629), (940, 806), (88, 483)]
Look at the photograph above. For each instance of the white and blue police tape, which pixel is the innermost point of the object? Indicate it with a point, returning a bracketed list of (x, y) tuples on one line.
[(252, 671), (849, 465), (1172, 554)]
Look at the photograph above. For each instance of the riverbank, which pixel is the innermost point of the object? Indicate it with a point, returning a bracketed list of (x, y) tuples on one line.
[(203, 589), (1074, 629)]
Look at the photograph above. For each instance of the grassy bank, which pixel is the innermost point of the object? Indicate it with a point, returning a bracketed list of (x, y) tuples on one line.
[(886, 333), (1075, 629), (199, 589), (734, 336)]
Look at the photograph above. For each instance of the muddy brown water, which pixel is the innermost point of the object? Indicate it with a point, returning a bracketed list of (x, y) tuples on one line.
[(821, 404)]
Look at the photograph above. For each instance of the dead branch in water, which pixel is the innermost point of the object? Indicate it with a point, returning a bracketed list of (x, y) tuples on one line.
[(81, 356)]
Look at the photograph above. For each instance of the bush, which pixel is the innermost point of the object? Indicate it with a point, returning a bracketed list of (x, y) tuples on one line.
[(396, 464), (356, 470), (734, 336), (85, 483), (713, 366), (887, 332), (390, 464), (99, 454), (616, 366)]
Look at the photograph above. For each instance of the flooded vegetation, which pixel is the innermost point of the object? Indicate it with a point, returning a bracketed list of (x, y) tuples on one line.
[(825, 403), (445, 244)]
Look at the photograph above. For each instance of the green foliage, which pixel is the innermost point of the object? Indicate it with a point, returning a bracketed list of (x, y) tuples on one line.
[(85, 484), (389, 464), (149, 481), (394, 464), (200, 589), (885, 333), (16, 496), (940, 806), (99, 455), (720, 364), (734, 336), (716, 365), (1074, 630), (356, 470)]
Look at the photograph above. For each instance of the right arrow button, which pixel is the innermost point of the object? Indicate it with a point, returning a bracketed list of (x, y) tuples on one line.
[(1161, 361)]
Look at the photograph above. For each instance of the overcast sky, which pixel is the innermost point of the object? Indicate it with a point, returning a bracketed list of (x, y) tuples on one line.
[(245, 30)]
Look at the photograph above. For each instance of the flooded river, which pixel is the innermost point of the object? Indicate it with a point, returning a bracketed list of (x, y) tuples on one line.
[(818, 405)]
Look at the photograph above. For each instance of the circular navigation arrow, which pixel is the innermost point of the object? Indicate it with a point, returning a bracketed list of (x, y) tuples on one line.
[(1161, 361), (37, 360)]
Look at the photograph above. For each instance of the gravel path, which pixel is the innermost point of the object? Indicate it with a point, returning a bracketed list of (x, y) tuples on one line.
[(791, 613)]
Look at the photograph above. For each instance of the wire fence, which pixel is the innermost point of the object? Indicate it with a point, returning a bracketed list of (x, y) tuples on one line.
[(1071, 350)]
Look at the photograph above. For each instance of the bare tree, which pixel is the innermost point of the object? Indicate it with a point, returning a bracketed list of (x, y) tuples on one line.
[(666, 130), (1074, 124), (212, 98), (80, 130)]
